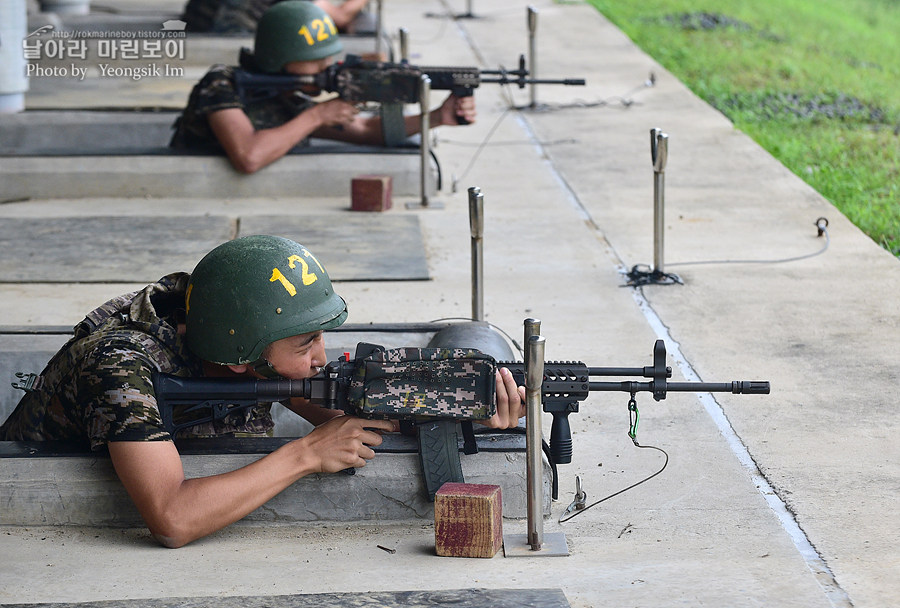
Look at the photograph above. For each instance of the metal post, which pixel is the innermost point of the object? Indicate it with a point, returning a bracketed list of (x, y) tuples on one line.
[(404, 44), (534, 465), (425, 104), (476, 226), (532, 328), (378, 28), (659, 152), (534, 543), (532, 52), (425, 147)]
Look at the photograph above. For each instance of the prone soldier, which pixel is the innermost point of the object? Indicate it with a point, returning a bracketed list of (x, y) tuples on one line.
[(293, 37), (254, 307)]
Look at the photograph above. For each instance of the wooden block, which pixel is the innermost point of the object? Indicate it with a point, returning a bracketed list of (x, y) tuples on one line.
[(468, 520), (370, 193)]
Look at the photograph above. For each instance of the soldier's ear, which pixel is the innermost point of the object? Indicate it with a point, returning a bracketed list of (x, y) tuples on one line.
[(239, 369)]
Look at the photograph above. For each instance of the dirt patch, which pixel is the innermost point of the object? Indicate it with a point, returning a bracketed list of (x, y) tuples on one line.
[(804, 106), (705, 21)]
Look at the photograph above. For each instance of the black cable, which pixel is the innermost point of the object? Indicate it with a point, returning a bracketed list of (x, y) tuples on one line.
[(505, 89), (481, 147), (642, 274), (821, 224), (564, 518)]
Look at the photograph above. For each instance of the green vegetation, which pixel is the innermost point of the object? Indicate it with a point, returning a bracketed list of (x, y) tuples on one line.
[(815, 82)]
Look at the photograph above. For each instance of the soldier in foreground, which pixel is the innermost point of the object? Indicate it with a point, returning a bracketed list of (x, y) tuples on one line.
[(293, 37), (253, 307)]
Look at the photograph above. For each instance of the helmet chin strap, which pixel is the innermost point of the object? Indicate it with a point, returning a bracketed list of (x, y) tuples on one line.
[(264, 369)]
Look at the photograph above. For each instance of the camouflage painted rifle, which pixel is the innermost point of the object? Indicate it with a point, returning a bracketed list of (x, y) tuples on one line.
[(405, 383), (439, 385)]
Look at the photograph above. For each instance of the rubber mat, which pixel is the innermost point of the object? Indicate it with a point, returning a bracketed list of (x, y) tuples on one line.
[(141, 249), (353, 246), (469, 598)]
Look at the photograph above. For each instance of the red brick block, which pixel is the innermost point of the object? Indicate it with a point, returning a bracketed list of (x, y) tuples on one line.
[(468, 520), (370, 193)]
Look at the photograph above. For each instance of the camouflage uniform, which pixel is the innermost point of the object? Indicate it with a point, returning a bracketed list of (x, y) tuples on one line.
[(98, 387), (217, 91)]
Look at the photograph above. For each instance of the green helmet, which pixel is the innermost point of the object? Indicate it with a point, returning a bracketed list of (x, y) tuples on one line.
[(294, 30), (252, 291)]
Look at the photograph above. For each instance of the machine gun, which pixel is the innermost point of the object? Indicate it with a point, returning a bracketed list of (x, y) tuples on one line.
[(356, 80), (437, 385), (390, 84)]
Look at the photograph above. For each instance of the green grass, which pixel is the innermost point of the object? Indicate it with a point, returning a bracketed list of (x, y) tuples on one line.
[(815, 82)]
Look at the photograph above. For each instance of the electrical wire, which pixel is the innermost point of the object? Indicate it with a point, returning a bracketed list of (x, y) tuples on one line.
[(481, 147), (821, 224), (642, 274), (510, 106), (570, 514)]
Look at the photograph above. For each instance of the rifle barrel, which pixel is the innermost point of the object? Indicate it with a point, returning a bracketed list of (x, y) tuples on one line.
[(523, 81), (738, 387)]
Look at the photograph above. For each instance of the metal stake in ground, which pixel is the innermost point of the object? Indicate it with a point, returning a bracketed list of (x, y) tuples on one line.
[(534, 543), (659, 152), (642, 274), (476, 227), (404, 44), (424, 146), (378, 22), (532, 53)]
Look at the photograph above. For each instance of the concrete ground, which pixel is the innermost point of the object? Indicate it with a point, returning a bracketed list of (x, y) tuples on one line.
[(780, 500)]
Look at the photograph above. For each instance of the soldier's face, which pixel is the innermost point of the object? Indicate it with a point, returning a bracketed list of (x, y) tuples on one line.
[(297, 357)]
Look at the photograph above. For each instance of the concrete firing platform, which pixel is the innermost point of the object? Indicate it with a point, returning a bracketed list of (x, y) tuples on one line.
[(72, 154), (69, 488), (317, 170), (787, 499)]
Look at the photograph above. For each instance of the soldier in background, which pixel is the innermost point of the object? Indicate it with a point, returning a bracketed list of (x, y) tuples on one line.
[(228, 318), (294, 37), (242, 16)]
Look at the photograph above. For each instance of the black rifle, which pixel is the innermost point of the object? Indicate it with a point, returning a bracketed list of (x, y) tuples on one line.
[(564, 385), (390, 84), (356, 80)]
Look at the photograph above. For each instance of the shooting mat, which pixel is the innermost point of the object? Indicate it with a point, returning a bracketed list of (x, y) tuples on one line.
[(353, 246), (140, 249), (468, 598)]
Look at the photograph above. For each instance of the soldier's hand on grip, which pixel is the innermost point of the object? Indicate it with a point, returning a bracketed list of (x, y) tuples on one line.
[(510, 402)]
